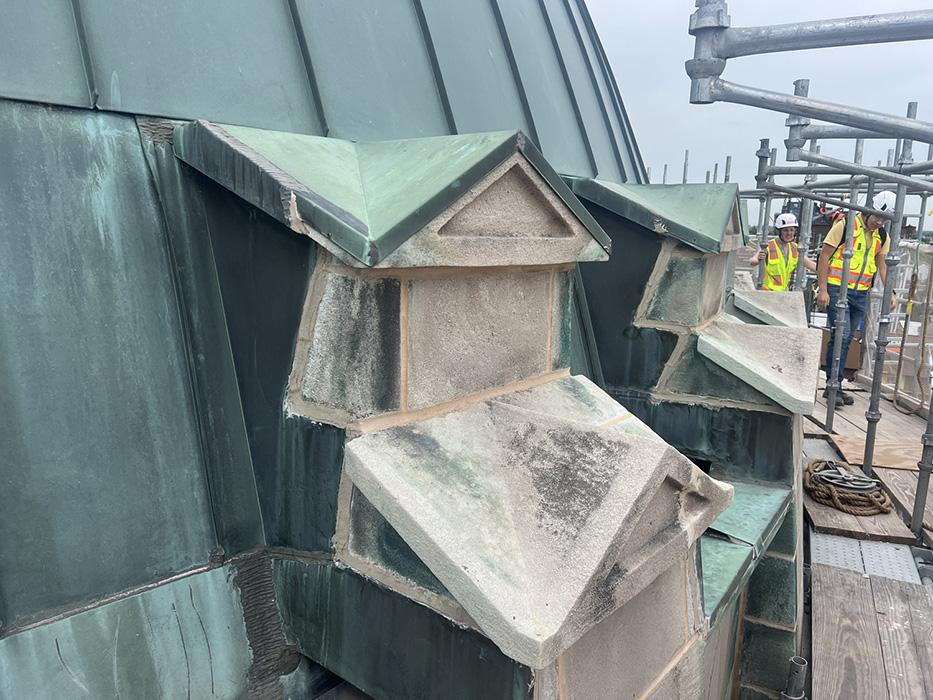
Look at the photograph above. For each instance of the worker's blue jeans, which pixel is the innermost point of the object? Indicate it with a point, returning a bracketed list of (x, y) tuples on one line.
[(857, 302)]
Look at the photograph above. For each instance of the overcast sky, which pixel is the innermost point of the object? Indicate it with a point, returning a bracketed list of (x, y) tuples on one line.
[(647, 44)]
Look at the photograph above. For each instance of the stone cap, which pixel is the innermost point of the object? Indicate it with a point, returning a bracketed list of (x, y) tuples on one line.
[(780, 362), (772, 308), (707, 217), (541, 511), (363, 201)]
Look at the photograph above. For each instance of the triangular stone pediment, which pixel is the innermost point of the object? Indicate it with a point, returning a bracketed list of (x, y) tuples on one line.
[(511, 217), (540, 511), (511, 207)]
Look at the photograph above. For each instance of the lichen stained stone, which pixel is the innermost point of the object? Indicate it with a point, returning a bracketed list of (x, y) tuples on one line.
[(554, 481), (353, 356)]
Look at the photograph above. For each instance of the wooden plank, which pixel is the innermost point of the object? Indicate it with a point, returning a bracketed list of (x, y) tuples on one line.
[(886, 527), (811, 428), (893, 454), (847, 659), (920, 599), (842, 424), (902, 485), (903, 663)]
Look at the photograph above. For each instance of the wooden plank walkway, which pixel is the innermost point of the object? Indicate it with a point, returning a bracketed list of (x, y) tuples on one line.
[(871, 637), (887, 527), (902, 485), (894, 427)]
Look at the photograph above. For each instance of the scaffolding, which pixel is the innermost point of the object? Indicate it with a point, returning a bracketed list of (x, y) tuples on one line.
[(716, 41)]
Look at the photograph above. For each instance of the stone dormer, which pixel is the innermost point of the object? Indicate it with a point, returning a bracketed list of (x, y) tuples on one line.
[(480, 478), (760, 355)]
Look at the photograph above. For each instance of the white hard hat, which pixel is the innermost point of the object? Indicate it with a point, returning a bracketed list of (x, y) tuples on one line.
[(884, 201), (785, 220)]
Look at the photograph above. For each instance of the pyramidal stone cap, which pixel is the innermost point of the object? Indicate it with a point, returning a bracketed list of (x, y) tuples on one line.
[(780, 362), (363, 201), (772, 308), (541, 511)]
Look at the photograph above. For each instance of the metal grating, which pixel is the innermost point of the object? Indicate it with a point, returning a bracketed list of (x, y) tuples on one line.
[(883, 559), (832, 550), (890, 561)]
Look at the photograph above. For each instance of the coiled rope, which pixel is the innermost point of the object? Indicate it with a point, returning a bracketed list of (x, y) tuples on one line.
[(834, 485)]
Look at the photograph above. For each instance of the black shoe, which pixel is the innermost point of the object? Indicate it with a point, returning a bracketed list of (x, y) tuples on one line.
[(840, 401), (846, 397)]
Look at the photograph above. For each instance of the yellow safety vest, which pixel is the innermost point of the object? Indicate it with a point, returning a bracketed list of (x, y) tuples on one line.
[(862, 268), (778, 269)]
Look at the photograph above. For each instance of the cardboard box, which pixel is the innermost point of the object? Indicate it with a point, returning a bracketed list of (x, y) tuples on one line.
[(853, 359)]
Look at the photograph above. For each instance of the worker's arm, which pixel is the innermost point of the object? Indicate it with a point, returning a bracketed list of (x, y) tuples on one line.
[(882, 266), (822, 275), (756, 258), (809, 264)]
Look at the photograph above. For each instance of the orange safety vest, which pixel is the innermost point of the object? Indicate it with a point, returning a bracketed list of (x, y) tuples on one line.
[(862, 267), (778, 269)]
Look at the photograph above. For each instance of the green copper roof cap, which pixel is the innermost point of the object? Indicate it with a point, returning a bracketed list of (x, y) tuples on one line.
[(706, 217), (365, 199)]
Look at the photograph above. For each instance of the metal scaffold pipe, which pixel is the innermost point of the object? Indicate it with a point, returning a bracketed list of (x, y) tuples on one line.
[(728, 171), (795, 154), (664, 176), (833, 366), (833, 131), (806, 225), (847, 31), (873, 414), (716, 41), (808, 194), (715, 172), (722, 91), (925, 466), (686, 162)]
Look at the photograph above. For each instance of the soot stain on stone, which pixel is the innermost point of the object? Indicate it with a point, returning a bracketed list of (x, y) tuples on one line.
[(430, 454), (603, 601), (354, 357), (571, 470)]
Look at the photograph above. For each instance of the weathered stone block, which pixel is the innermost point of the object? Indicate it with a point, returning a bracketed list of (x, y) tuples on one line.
[(690, 290), (694, 375), (781, 363), (772, 591), (574, 507), (679, 292), (773, 308), (475, 332), (353, 352), (621, 656), (562, 320)]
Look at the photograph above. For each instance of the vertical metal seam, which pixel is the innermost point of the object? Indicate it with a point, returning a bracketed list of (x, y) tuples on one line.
[(513, 66), (191, 373), (298, 26), (613, 88), (620, 162), (573, 97), (81, 31), (435, 66)]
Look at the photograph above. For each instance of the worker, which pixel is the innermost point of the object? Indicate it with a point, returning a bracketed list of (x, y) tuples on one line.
[(870, 245), (782, 254)]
